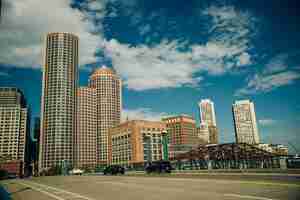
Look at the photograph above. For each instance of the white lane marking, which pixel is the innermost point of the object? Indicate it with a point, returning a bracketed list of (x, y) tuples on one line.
[(247, 197), (61, 191), (139, 186), (42, 191)]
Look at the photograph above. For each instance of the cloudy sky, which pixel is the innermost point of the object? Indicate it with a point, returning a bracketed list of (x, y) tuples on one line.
[(170, 54)]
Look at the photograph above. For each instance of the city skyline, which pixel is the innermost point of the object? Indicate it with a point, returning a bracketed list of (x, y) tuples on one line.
[(150, 49)]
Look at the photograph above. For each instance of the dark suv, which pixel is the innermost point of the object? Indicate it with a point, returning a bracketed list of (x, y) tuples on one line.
[(114, 170), (159, 167)]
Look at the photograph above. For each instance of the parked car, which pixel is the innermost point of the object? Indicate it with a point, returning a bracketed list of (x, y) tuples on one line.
[(114, 170), (76, 172), (159, 167), (12, 176)]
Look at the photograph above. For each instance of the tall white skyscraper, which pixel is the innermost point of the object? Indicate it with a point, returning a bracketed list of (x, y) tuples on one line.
[(207, 112), (108, 87), (208, 117), (245, 122), (58, 110)]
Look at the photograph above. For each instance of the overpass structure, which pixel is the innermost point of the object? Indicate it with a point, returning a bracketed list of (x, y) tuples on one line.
[(227, 156)]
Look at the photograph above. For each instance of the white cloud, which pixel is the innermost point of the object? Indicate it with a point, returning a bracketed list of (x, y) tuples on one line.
[(145, 67), (164, 65), (267, 83), (275, 74), (142, 114), (25, 24), (96, 5), (267, 122), (276, 64), (231, 26), (171, 64)]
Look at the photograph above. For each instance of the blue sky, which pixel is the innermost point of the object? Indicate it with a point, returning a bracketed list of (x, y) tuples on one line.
[(170, 54)]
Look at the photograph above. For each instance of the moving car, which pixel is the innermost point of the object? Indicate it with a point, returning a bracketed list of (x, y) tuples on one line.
[(76, 172), (114, 170), (159, 167)]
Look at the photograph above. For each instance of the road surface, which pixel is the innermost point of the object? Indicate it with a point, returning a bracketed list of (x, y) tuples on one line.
[(150, 188)]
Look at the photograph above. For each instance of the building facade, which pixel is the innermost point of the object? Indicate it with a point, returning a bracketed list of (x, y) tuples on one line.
[(14, 130), (207, 112), (278, 149), (203, 133), (136, 142), (213, 135), (208, 116), (86, 135), (58, 110), (245, 125), (182, 134), (108, 88)]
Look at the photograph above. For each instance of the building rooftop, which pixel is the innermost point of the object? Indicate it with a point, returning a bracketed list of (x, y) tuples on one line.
[(242, 102), (12, 96), (103, 71), (205, 101), (177, 116)]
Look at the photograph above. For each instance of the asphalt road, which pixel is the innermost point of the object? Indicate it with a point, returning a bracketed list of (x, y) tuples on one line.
[(150, 188)]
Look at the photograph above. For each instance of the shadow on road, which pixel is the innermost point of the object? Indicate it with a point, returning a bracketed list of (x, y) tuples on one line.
[(21, 190), (4, 195)]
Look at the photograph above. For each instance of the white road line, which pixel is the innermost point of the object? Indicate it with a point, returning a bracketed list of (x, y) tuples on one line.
[(42, 191), (247, 197), (62, 191)]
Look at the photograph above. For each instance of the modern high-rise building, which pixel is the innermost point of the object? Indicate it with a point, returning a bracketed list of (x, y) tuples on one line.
[(245, 122), (207, 112), (58, 110), (203, 133), (10, 97), (208, 116), (182, 134), (14, 130), (135, 142), (86, 135), (108, 88)]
